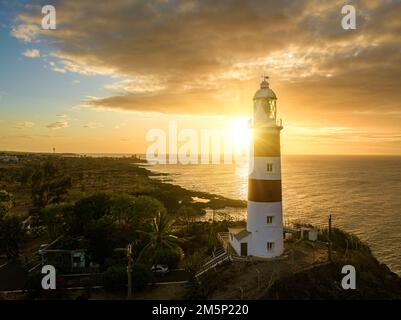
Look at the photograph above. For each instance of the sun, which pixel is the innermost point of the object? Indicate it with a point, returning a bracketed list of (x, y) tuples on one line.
[(240, 134)]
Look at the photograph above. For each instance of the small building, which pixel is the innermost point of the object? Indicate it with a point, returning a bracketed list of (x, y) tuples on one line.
[(63, 259), (78, 259), (239, 238), (9, 159), (309, 234)]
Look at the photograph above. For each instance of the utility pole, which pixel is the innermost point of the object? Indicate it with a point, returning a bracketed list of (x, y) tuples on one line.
[(129, 270), (329, 245), (242, 293), (257, 270)]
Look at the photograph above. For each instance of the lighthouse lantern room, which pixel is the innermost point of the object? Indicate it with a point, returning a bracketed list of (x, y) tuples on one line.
[(263, 235)]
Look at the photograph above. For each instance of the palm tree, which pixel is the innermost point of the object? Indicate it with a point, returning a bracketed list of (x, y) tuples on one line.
[(160, 237)]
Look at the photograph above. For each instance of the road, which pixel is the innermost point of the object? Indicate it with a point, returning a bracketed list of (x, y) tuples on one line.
[(13, 276), (175, 275)]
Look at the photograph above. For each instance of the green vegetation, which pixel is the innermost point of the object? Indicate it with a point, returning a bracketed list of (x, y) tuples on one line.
[(11, 230), (115, 278), (96, 207), (162, 245), (48, 183), (6, 202), (343, 241), (11, 235)]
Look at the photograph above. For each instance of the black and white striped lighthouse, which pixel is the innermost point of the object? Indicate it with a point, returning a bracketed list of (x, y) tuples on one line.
[(265, 219), (263, 236)]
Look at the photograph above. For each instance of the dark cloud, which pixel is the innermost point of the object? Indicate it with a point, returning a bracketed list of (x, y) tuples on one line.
[(205, 57)]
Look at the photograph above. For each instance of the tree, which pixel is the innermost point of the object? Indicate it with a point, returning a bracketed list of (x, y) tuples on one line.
[(6, 197), (194, 262), (188, 214), (87, 209), (11, 235), (141, 276), (115, 278), (52, 216), (146, 208), (101, 239), (160, 238), (123, 207), (167, 256), (6, 202), (49, 184), (11, 231)]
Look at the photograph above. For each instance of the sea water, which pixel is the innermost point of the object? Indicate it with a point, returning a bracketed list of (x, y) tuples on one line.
[(363, 194)]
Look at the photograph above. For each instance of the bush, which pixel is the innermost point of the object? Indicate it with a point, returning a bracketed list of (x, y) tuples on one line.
[(34, 282), (100, 235), (11, 235), (86, 210), (141, 276), (341, 240), (194, 262), (115, 278), (168, 256)]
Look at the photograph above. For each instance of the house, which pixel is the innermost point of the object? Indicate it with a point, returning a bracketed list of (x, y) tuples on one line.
[(239, 238), (9, 159), (78, 259), (309, 234)]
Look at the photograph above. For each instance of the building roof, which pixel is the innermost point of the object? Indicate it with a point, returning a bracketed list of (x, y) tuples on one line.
[(239, 233), (265, 91)]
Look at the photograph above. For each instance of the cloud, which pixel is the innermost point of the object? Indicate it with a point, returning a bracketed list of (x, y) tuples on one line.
[(142, 84), (24, 124), (202, 57), (33, 53), (56, 68), (26, 32), (57, 125), (93, 125), (120, 125)]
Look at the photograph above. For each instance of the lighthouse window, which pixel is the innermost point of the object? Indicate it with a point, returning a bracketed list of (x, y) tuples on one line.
[(269, 167), (272, 109), (269, 219), (270, 246)]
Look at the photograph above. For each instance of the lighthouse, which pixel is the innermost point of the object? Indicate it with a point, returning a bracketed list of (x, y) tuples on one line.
[(263, 235)]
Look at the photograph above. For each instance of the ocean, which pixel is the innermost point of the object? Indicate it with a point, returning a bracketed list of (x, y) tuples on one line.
[(362, 193)]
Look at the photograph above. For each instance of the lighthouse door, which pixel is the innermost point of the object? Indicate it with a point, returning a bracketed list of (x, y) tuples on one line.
[(244, 249)]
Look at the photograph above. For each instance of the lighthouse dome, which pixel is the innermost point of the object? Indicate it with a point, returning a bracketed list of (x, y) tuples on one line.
[(265, 91)]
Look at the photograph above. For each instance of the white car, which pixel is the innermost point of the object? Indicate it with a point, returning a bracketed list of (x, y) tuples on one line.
[(160, 269), (42, 248)]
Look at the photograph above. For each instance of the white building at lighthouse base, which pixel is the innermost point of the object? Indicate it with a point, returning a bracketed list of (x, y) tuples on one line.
[(263, 236)]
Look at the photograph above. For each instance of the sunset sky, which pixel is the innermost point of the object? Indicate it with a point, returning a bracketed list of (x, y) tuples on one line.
[(112, 70)]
